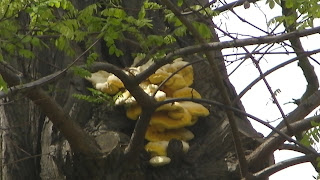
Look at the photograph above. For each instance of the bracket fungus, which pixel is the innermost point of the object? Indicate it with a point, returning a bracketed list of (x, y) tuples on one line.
[(169, 120)]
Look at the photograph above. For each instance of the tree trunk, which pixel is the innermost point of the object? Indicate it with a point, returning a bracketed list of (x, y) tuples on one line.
[(32, 148)]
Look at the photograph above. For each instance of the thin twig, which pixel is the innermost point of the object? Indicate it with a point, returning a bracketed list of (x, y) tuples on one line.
[(243, 92)]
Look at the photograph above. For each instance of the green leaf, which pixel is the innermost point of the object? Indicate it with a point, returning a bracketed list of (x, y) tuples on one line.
[(180, 31), (305, 140), (92, 58), (289, 3), (35, 41), (3, 85), (203, 29), (169, 39), (155, 40), (26, 53), (318, 160), (10, 48), (114, 12), (61, 43), (271, 4), (97, 97), (26, 39), (81, 72), (142, 13)]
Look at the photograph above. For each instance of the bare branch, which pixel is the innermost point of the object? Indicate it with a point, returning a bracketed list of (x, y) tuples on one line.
[(283, 165), (243, 92), (275, 141), (302, 110), (76, 136), (296, 148), (233, 5), (222, 45)]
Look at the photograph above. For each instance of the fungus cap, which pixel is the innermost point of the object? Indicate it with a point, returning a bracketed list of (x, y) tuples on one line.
[(133, 112), (122, 98), (157, 148), (159, 161), (98, 77), (163, 120), (159, 76), (151, 88), (176, 82), (107, 88), (170, 107), (114, 80), (195, 109), (185, 146), (187, 92), (158, 134)]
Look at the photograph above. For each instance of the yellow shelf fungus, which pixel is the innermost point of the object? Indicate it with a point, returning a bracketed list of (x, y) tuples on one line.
[(159, 148), (161, 119), (169, 120), (186, 92), (155, 133), (159, 161)]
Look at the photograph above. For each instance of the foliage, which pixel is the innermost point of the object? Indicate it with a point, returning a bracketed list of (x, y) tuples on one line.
[(3, 85), (312, 136), (307, 11), (96, 97)]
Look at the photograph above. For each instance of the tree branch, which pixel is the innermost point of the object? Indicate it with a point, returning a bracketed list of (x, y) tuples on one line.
[(302, 110), (243, 92), (233, 5), (283, 165), (304, 63), (215, 103), (223, 45), (293, 147), (76, 136), (275, 141)]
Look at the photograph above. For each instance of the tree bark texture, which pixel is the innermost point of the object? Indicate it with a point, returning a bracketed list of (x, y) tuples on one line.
[(32, 148)]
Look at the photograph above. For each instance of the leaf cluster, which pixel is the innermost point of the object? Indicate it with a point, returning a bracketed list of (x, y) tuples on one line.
[(307, 11), (96, 97)]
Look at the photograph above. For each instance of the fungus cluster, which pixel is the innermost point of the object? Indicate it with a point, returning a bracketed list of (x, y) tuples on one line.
[(169, 121)]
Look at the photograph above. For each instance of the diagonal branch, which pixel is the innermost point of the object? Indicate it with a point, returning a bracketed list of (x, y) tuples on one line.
[(233, 5), (275, 141), (215, 103), (265, 173), (302, 110), (296, 148), (304, 63), (243, 92), (76, 136)]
